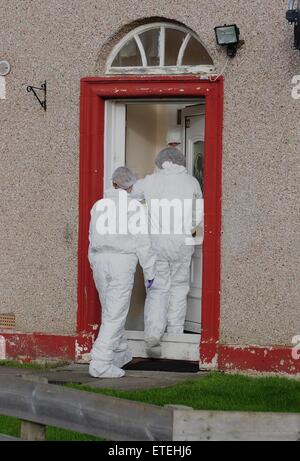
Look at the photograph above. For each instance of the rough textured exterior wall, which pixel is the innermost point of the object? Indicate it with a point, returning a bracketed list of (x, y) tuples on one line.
[(64, 40)]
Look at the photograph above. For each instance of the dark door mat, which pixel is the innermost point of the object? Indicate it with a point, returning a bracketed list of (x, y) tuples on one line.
[(176, 366)]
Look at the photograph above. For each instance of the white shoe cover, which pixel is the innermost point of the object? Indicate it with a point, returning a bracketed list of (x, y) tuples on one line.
[(153, 348), (122, 358), (105, 371)]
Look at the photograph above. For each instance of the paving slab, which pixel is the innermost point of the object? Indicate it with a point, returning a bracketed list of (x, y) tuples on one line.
[(133, 380), (78, 374), (139, 380), (14, 371)]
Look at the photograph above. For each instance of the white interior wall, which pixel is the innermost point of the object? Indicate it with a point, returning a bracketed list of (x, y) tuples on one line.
[(141, 134)]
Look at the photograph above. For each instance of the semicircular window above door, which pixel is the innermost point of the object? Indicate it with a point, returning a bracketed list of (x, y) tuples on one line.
[(160, 48)]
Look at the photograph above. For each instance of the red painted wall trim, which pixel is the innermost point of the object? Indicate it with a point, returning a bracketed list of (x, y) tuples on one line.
[(91, 189), (260, 359), (211, 282), (28, 347), (94, 91), (33, 346)]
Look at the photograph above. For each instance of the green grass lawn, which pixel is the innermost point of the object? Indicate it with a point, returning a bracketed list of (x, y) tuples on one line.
[(31, 365), (11, 426), (215, 391), (218, 391)]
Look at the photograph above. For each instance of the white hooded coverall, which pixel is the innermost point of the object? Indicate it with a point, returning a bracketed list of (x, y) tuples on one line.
[(166, 302), (113, 259)]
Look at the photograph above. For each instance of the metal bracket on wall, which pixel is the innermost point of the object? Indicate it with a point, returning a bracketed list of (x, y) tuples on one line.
[(34, 90)]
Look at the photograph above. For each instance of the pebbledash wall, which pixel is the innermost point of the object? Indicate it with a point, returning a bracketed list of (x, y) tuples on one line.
[(63, 41)]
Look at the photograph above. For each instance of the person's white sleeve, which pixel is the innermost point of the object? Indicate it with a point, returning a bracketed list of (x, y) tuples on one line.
[(138, 190), (144, 251), (94, 238), (146, 256), (198, 206), (91, 228)]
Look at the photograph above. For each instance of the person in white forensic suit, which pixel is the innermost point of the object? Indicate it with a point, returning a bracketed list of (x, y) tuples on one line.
[(174, 137), (113, 254), (166, 303)]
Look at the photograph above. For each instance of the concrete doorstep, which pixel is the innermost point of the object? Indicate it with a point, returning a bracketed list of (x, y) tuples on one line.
[(78, 374)]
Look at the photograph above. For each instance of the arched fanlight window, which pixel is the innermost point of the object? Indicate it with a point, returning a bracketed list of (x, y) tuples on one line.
[(159, 48)]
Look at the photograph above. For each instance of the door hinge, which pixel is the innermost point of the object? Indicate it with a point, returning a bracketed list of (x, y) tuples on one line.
[(187, 122)]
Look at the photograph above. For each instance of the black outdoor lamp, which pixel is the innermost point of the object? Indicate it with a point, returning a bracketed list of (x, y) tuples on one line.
[(228, 36), (293, 16)]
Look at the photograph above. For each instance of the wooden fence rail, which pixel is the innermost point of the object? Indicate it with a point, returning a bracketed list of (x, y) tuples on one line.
[(84, 412), (38, 404)]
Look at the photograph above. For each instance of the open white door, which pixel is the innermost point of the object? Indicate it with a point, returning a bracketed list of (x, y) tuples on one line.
[(114, 139), (193, 123)]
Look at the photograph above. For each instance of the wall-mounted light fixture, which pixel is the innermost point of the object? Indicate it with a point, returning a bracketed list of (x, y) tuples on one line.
[(293, 16), (228, 36), (4, 68)]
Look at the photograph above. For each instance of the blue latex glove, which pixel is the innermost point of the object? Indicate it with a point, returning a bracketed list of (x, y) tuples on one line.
[(149, 284)]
